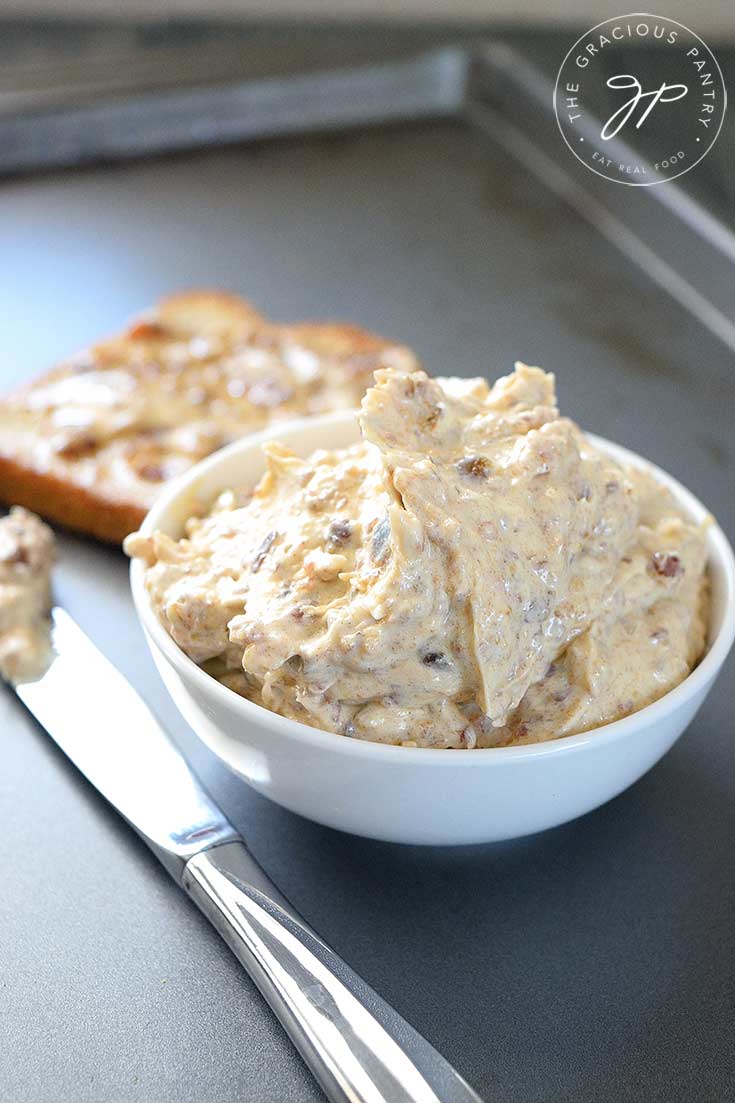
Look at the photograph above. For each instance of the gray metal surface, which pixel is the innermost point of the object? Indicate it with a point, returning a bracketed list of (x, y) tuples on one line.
[(594, 962), (678, 240)]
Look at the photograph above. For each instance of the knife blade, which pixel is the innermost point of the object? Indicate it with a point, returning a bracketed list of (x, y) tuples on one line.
[(359, 1048)]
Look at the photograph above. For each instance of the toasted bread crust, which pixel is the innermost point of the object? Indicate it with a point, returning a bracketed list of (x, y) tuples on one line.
[(200, 368), (74, 507)]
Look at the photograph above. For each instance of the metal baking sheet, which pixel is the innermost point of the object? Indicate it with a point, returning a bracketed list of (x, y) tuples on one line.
[(139, 124), (592, 962)]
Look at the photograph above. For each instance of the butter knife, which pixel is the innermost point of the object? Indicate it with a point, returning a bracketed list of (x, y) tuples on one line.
[(358, 1047)]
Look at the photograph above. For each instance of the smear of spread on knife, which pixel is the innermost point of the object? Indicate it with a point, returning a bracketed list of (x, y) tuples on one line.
[(26, 558), (474, 573)]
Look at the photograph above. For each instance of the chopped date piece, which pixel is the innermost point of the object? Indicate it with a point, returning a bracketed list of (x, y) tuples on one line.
[(76, 447), (152, 472), (435, 658), (474, 467), (468, 738), (666, 564), (262, 550), (17, 555), (339, 532), (153, 432)]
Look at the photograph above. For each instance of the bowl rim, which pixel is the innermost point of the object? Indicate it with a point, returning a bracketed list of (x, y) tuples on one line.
[(720, 553)]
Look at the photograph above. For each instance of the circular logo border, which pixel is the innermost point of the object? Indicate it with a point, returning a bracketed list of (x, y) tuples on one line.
[(636, 183)]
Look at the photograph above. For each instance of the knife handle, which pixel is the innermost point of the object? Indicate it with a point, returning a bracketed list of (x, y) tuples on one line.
[(359, 1048)]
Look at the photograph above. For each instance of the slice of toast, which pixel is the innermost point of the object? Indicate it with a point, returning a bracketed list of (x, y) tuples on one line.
[(90, 443)]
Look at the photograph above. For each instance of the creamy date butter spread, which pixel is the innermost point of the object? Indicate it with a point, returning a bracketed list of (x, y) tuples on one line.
[(26, 558), (474, 573)]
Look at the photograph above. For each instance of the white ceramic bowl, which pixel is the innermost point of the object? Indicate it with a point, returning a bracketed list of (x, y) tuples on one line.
[(413, 795)]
